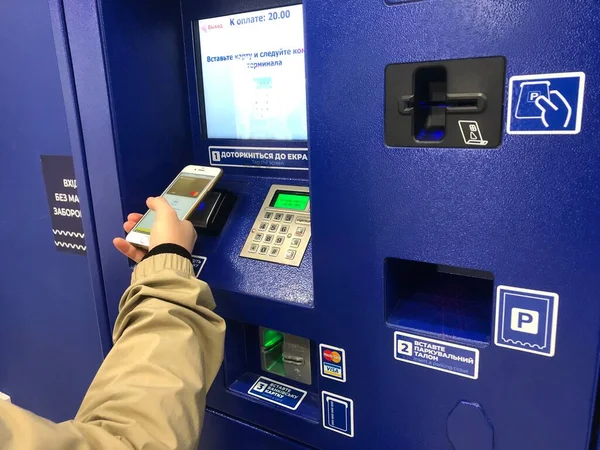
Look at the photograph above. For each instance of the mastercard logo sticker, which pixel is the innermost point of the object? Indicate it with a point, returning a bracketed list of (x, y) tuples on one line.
[(333, 362), (332, 356)]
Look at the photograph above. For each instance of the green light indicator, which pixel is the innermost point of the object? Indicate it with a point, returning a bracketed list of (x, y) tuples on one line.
[(273, 352), (296, 202), (271, 338)]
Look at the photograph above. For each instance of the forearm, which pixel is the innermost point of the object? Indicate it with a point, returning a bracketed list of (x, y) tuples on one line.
[(150, 392), (168, 349)]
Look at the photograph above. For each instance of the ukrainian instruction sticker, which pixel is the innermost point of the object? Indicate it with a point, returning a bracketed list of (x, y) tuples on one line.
[(198, 263), (278, 393), (438, 355), (332, 362), (259, 157)]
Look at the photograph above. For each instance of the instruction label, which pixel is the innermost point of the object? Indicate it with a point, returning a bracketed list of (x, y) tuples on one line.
[(338, 413), (198, 263), (546, 104), (278, 393), (438, 355), (526, 320), (259, 157), (63, 202), (333, 362)]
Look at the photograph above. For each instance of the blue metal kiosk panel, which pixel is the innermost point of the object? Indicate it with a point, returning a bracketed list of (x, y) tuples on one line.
[(525, 212), (523, 215), (221, 431)]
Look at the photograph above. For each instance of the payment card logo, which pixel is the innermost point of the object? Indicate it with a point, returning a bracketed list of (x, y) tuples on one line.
[(332, 356), (333, 362)]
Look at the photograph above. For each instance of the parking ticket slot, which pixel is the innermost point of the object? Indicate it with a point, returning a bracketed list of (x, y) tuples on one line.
[(456, 103)]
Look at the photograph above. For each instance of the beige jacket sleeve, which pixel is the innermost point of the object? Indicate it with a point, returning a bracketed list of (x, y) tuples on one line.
[(150, 392)]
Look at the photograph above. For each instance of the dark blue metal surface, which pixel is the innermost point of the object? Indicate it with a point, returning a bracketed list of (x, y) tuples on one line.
[(217, 426), (527, 212), (52, 317)]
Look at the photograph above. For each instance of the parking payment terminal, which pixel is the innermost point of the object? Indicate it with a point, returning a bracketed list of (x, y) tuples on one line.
[(404, 241), (242, 83)]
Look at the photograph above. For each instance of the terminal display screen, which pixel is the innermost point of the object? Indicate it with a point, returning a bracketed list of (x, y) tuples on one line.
[(291, 200), (253, 75)]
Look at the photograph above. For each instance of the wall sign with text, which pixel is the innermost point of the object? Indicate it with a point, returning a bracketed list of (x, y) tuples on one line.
[(63, 201)]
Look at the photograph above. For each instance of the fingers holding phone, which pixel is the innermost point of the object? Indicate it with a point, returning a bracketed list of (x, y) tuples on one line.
[(134, 253), (184, 195), (167, 228)]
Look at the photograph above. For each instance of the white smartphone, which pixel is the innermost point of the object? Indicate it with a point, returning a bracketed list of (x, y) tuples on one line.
[(184, 194)]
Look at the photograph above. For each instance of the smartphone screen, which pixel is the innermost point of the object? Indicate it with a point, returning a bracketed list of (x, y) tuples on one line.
[(181, 195)]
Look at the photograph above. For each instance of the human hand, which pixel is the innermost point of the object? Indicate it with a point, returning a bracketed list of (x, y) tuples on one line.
[(125, 247), (167, 229)]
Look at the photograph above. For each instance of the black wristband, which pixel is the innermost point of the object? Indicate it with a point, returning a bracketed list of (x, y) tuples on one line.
[(168, 248)]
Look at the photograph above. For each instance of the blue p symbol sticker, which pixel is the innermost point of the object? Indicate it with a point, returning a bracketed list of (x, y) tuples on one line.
[(525, 321)]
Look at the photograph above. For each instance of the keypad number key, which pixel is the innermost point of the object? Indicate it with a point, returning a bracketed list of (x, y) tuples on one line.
[(274, 251), (279, 240), (295, 243), (288, 218), (258, 237), (253, 248), (290, 254), (269, 238), (284, 229), (264, 250), (263, 226), (268, 215), (273, 228), (300, 231), (278, 217)]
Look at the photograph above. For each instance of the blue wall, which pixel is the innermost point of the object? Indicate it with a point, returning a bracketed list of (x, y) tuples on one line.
[(52, 324)]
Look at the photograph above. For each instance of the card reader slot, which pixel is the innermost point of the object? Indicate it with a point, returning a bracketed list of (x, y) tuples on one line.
[(294, 360)]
